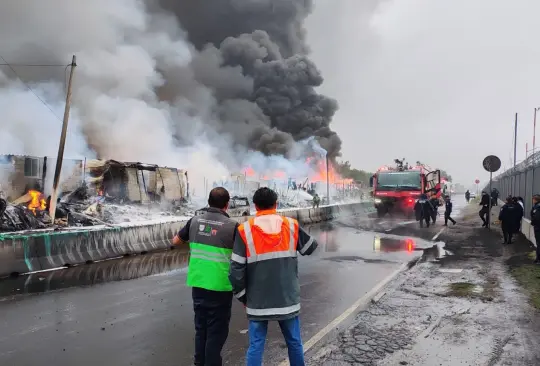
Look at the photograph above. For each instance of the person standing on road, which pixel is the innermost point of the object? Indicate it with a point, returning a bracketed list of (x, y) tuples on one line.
[(468, 196), (423, 210), (508, 216), (484, 211), (448, 211), (435, 205), (494, 197), (535, 222), (316, 200), (264, 275), (211, 237)]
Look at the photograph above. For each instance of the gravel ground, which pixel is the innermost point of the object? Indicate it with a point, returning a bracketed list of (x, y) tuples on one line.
[(460, 309)]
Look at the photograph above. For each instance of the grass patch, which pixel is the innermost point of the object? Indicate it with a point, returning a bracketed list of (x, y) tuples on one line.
[(462, 289), (528, 276)]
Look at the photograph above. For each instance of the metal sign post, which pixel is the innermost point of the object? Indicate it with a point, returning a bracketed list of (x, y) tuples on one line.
[(491, 163)]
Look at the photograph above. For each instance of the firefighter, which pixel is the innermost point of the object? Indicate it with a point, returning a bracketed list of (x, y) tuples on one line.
[(508, 216), (316, 200), (423, 210), (264, 275), (435, 205), (484, 211), (535, 222), (211, 237), (448, 211), (494, 197), (468, 196)]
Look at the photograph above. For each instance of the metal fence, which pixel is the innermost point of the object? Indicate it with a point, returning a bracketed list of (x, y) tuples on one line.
[(522, 180)]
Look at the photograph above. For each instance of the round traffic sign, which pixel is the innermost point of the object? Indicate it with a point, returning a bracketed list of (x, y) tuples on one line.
[(477, 181), (492, 163)]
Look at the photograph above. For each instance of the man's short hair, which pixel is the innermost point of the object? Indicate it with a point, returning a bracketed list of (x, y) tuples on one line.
[(536, 197), (265, 198), (218, 198)]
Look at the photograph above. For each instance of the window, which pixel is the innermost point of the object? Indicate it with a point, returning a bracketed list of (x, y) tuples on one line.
[(398, 180), (31, 167)]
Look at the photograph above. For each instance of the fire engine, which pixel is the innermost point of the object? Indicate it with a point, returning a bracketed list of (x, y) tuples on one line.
[(396, 189)]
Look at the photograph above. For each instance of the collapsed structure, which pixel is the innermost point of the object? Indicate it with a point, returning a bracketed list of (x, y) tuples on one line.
[(91, 192)]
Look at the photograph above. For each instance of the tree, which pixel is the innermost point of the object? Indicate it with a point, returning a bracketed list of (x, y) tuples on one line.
[(346, 171)]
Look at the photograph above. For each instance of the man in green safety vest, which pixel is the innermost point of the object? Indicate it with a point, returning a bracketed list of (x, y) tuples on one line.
[(211, 238)]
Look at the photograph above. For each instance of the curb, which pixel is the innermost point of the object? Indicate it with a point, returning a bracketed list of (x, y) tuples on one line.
[(360, 304)]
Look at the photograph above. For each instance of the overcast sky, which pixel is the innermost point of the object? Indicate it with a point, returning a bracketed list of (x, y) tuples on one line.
[(432, 80)]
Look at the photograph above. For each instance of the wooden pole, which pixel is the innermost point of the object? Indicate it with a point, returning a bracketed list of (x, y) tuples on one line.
[(61, 145)]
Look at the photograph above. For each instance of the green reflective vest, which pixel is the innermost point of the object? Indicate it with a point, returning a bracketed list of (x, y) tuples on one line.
[(211, 237)]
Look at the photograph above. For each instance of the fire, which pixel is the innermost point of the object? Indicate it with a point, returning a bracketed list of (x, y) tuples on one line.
[(37, 201), (249, 172)]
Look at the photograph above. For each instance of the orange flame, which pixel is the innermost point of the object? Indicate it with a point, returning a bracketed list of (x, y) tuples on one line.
[(37, 202), (249, 172)]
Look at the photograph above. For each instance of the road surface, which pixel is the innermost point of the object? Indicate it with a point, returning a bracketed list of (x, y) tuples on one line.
[(138, 311)]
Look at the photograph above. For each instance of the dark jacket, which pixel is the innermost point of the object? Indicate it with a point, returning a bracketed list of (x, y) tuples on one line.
[(510, 216), (448, 207), (485, 200), (264, 275), (423, 209), (467, 195), (535, 217)]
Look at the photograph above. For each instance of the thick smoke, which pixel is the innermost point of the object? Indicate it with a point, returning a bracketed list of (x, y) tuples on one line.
[(204, 85)]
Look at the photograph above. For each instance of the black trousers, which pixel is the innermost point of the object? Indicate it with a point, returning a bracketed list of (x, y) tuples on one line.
[(212, 317), (507, 235), (484, 215), (537, 238), (447, 217), (427, 219)]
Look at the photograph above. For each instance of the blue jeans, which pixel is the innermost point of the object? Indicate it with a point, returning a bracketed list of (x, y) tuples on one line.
[(290, 329)]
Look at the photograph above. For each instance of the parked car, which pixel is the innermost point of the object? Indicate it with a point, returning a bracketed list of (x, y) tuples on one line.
[(238, 206)]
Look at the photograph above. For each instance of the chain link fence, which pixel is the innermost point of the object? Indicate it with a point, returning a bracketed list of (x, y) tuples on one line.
[(521, 181)]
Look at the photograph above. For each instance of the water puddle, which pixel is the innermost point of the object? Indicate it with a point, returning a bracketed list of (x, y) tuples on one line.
[(92, 274)]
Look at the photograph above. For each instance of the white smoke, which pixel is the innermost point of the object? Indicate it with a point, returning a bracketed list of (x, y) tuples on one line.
[(136, 96)]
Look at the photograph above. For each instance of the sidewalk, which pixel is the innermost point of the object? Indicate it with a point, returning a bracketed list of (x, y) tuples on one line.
[(464, 308)]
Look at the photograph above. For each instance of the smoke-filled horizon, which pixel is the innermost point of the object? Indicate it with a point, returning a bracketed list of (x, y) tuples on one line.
[(204, 86), (432, 80)]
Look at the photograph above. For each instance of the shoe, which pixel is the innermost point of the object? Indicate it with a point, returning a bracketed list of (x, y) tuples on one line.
[(454, 223)]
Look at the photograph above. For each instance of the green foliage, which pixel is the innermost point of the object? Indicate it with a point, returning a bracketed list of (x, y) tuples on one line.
[(346, 171)]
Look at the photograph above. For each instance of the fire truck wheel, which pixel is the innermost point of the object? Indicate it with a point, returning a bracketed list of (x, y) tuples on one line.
[(381, 212)]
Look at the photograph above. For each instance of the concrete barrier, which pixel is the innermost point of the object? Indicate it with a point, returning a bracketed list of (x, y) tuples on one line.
[(303, 216), (24, 252)]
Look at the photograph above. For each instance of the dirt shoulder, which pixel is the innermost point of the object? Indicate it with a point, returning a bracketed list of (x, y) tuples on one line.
[(463, 308)]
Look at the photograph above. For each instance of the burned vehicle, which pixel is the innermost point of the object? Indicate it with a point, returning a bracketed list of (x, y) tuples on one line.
[(238, 206)]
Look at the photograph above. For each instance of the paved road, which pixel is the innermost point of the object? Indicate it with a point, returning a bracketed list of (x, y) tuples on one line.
[(137, 311)]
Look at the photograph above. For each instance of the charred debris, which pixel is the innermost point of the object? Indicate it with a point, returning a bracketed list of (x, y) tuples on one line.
[(107, 193)]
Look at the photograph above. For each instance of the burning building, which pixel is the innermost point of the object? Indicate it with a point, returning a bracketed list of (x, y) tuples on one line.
[(91, 191)]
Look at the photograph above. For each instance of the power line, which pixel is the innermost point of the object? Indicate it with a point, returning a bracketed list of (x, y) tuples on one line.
[(28, 87), (32, 65)]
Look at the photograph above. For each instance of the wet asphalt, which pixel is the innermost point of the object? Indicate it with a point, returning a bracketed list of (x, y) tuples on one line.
[(138, 311)]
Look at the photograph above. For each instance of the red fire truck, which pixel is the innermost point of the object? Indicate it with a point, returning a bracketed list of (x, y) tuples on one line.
[(396, 189)]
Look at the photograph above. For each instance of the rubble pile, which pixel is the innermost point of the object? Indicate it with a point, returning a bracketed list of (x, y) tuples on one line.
[(79, 208)]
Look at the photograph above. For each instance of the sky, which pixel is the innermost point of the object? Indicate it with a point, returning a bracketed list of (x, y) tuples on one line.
[(432, 80)]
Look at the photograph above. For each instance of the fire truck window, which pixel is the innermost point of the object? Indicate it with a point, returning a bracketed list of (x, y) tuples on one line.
[(398, 179), (31, 167)]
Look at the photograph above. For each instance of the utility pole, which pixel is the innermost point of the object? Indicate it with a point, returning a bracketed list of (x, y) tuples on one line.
[(515, 140), (327, 181), (515, 153), (61, 145), (534, 129)]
